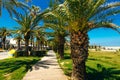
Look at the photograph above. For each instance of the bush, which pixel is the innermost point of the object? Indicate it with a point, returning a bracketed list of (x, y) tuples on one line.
[(32, 53), (21, 53), (38, 53)]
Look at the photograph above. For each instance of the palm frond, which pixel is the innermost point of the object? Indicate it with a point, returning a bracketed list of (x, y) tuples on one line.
[(78, 13), (105, 25), (12, 5)]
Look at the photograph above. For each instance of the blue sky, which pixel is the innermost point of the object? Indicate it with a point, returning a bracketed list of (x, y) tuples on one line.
[(101, 36)]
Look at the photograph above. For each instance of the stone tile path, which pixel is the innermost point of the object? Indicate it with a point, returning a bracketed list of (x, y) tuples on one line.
[(46, 69)]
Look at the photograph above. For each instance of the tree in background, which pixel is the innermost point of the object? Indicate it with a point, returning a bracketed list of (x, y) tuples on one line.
[(56, 23), (59, 33), (40, 37), (4, 32), (28, 25), (18, 37)]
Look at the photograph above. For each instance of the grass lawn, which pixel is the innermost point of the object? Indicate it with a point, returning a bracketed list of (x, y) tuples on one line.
[(100, 65), (15, 68)]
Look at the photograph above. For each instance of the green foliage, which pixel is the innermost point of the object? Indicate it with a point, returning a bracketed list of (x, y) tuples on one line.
[(4, 32), (15, 68), (32, 53), (87, 14), (21, 53), (28, 23), (38, 53), (66, 63), (28, 26), (100, 65), (103, 66), (11, 6)]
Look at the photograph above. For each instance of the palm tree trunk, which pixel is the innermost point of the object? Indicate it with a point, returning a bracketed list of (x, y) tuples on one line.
[(27, 46), (46, 45), (3, 42), (79, 54), (38, 45), (41, 45), (18, 44), (33, 44), (61, 47), (55, 47), (4, 45)]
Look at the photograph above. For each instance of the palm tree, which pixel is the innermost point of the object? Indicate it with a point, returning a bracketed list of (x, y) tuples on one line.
[(57, 24), (40, 37), (53, 44), (58, 34), (34, 11), (11, 5), (4, 32), (32, 41), (18, 37), (28, 24), (81, 16)]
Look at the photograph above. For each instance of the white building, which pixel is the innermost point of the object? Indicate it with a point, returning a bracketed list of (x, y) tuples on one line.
[(13, 42)]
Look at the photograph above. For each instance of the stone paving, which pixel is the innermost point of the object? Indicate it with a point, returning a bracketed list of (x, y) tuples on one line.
[(46, 69)]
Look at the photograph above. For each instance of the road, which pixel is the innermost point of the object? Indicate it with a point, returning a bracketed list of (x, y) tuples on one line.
[(3, 55)]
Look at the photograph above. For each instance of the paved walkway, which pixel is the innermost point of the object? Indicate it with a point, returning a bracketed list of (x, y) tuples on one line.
[(3, 55), (46, 69)]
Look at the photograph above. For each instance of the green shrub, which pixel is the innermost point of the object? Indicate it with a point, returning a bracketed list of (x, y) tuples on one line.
[(32, 53), (20, 53)]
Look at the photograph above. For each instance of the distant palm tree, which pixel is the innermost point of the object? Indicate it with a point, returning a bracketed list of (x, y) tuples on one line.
[(57, 24), (59, 33), (32, 41), (28, 24), (53, 43), (81, 16), (4, 32), (11, 5), (34, 11), (40, 37), (18, 37)]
